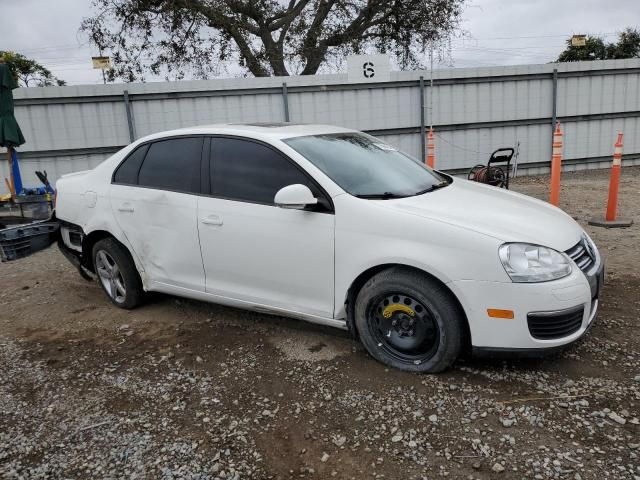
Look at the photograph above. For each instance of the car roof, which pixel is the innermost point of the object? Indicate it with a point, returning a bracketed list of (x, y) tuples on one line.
[(266, 130)]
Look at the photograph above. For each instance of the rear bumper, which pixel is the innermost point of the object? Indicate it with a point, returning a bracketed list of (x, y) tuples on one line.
[(74, 257), (70, 239), (578, 291)]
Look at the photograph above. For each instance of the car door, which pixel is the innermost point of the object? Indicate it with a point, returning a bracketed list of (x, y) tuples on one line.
[(154, 200), (258, 252)]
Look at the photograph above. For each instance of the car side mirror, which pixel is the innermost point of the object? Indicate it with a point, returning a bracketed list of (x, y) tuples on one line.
[(295, 196)]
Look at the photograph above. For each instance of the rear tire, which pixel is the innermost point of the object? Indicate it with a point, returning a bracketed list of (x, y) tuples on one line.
[(117, 274), (409, 321)]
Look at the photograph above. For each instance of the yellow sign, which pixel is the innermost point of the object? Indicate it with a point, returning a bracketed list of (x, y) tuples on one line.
[(578, 40), (101, 63)]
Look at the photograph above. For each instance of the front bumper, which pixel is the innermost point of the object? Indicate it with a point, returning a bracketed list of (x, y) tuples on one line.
[(493, 335)]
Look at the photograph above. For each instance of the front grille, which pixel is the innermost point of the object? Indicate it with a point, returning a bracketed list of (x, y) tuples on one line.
[(550, 325), (581, 254)]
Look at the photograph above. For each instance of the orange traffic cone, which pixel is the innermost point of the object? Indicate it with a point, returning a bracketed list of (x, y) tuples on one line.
[(431, 149), (556, 166), (610, 220)]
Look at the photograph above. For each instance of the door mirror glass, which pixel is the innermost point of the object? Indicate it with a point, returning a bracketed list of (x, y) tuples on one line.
[(295, 196)]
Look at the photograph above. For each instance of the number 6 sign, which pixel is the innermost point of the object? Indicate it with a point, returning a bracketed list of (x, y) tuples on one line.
[(368, 68)]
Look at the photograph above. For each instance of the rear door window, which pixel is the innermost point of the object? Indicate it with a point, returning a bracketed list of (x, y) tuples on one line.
[(173, 164)]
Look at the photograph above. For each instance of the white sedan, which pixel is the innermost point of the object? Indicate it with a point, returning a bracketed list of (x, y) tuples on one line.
[(335, 227)]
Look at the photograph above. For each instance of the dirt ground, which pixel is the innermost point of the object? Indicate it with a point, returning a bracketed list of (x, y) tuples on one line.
[(182, 389)]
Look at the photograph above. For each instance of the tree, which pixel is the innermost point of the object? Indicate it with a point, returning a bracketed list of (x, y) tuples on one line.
[(628, 46), (28, 72), (265, 37), (594, 49)]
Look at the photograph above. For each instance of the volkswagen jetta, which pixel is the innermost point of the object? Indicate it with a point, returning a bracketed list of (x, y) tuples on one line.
[(336, 227)]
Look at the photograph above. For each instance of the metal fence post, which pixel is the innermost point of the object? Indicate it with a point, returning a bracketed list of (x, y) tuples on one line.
[(130, 122), (554, 105), (423, 147), (285, 101)]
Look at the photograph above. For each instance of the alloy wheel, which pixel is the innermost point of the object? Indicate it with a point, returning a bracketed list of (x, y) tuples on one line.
[(110, 276)]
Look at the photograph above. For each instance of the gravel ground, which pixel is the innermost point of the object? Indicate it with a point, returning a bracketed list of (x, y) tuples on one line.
[(183, 389)]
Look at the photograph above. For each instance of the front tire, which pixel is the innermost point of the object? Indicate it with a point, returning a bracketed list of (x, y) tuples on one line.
[(117, 274), (409, 321)]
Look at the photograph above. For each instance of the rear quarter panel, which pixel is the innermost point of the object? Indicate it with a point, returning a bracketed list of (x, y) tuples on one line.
[(83, 199)]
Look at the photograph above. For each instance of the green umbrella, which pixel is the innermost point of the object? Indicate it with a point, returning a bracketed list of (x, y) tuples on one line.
[(10, 133)]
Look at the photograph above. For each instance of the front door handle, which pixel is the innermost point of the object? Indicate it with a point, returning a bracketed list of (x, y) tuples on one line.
[(215, 220), (125, 207)]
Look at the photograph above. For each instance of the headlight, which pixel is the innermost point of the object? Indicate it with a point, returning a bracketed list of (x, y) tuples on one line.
[(532, 263)]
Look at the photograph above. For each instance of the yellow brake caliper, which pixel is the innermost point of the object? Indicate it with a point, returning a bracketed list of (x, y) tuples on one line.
[(397, 307)]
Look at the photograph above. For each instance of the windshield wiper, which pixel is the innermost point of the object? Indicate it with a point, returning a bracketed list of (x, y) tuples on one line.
[(433, 187), (381, 196), (388, 195)]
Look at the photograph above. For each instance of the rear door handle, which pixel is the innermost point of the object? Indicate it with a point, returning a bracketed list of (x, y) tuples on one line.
[(125, 207), (215, 220)]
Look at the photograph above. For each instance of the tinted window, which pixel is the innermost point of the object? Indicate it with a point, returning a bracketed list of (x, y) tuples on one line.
[(173, 165), (128, 170), (244, 170)]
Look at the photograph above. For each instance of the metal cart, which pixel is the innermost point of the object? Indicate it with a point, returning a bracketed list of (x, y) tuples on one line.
[(497, 170)]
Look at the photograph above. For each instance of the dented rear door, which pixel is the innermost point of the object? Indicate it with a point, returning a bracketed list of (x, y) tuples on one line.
[(157, 213)]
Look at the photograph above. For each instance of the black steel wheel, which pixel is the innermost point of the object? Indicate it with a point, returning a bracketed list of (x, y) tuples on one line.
[(407, 320), (403, 327)]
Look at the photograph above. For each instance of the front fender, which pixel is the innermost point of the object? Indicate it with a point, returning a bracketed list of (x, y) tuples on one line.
[(368, 236)]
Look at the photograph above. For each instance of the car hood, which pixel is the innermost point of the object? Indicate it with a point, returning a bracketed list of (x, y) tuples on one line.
[(502, 214)]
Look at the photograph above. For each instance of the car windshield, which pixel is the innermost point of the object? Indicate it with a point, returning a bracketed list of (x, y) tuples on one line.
[(366, 167)]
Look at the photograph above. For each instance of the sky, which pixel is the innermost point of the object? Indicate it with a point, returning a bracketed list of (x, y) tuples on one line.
[(497, 32)]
